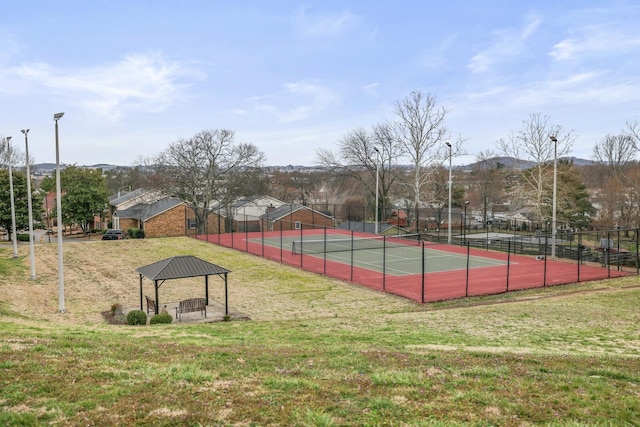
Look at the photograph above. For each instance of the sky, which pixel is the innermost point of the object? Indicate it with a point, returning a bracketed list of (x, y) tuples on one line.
[(293, 77)]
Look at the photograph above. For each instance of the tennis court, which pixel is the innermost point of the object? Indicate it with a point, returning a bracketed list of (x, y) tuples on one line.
[(393, 255), (414, 269)]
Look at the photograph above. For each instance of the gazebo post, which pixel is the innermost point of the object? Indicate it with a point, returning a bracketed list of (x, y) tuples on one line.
[(141, 308), (226, 299), (155, 284), (206, 288)]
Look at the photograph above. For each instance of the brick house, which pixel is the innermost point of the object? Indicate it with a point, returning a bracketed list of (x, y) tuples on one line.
[(398, 218), (294, 217), (165, 217), (244, 213)]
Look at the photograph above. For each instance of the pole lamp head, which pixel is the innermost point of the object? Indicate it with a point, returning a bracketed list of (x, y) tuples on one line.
[(57, 116), (25, 131), (553, 138)]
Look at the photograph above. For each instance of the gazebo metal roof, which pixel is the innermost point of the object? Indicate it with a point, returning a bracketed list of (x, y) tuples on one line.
[(179, 267)]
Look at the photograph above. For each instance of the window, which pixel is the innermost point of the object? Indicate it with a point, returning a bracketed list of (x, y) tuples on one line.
[(298, 225), (191, 223)]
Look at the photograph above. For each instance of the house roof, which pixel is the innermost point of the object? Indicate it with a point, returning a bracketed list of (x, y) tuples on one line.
[(256, 200), (179, 267), (285, 210), (400, 213), (117, 199), (145, 211)]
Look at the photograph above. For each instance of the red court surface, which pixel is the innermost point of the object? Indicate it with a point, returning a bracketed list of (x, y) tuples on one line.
[(516, 272)]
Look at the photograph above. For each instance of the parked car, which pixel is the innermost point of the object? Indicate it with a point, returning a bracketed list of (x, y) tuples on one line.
[(113, 234)]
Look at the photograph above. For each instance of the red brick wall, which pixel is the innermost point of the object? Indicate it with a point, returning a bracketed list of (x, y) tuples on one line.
[(171, 223), (307, 217)]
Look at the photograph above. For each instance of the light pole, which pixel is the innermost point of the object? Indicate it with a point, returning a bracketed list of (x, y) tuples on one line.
[(31, 248), (554, 229), (465, 221), (61, 308), (14, 237), (450, 185), (377, 186)]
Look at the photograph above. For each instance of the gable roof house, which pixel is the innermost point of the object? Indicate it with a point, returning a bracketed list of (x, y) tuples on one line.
[(123, 201), (398, 218), (161, 216), (294, 217), (244, 213)]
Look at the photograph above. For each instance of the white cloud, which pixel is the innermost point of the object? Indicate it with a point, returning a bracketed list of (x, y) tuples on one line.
[(506, 44), (325, 25), (595, 40), (299, 101), (371, 89), (138, 82)]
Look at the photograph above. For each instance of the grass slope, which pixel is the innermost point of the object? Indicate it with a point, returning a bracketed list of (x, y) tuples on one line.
[(316, 352)]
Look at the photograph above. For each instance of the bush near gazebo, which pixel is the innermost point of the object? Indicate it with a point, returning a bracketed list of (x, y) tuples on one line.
[(136, 317), (161, 318)]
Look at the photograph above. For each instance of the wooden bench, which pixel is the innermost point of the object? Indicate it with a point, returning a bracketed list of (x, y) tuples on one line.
[(151, 305), (192, 305)]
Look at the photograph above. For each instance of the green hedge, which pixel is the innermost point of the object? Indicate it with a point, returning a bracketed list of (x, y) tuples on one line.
[(135, 233)]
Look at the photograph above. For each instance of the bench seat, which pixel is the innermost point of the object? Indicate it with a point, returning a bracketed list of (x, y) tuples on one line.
[(192, 305)]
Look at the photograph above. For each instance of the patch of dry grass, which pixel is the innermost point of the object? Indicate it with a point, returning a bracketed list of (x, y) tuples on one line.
[(98, 274)]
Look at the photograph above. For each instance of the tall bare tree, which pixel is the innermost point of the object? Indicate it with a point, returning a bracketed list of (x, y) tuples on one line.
[(199, 170), (488, 183), (363, 154), (615, 155), (421, 133), (633, 130), (533, 143), (615, 152)]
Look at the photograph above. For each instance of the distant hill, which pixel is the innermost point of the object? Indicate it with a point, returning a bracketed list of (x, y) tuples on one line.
[(51, 167), (508, 162), (511, 162)]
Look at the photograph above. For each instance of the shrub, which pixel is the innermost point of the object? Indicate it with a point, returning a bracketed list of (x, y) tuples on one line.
[(163, 317), (136, 317), (23, 237), (135, 233)]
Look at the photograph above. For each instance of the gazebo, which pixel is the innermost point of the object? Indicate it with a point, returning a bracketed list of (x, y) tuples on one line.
[(180, 267)]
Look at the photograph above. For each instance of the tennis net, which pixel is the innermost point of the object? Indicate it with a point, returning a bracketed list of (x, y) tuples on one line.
[(318, 246)]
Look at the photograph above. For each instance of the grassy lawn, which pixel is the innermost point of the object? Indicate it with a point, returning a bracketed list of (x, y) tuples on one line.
[(315, 352)]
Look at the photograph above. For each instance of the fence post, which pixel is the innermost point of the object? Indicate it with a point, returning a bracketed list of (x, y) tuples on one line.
[(579, 252), (637, 252), (324, 266), (468, 255), (544, 278), (423, 272), (351, 272), (508, 262), (384, 262)]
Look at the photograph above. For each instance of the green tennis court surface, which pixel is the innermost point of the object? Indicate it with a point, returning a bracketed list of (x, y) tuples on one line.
[(393, 258)]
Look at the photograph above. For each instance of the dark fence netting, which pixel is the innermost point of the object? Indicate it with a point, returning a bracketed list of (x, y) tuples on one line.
[(424, 266)]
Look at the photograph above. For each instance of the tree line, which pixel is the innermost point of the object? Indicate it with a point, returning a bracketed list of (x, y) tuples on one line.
[(406, 160)]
